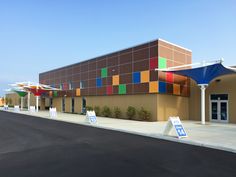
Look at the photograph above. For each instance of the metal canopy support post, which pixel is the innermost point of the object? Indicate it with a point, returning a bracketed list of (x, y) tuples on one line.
[(28, 101), (21, 102), (37, 99), (37, 103), (203, 89)]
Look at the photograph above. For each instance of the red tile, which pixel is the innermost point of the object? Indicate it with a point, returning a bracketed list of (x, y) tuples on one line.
[(109, 90), (169, 77), (153, 63)]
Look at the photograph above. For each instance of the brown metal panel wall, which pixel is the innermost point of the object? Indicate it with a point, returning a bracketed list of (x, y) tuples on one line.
[(125, 64)]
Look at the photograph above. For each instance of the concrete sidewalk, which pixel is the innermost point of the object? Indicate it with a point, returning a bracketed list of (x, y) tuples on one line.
[(213, 135)]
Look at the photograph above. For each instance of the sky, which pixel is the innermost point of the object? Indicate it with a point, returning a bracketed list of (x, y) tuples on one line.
[(36, 36)]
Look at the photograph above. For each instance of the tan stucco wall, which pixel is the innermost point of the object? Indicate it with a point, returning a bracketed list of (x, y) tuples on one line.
[(160, 106), (78, 104), (227, 85), (16, 99), (147, 101), (57, 102), (67, 104), (170, 105)]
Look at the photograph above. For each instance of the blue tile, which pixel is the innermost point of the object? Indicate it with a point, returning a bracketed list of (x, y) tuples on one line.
[(136, 77), (162, 87), (99, 82)]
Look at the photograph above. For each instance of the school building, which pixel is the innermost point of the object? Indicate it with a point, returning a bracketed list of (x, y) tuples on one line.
[(128, 78)]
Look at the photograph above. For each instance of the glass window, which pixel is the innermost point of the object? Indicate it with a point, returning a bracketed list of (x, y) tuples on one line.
[(219, 96)]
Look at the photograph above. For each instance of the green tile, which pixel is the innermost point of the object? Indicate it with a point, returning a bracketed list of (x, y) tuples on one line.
[(104, 72), (162, 63), (55, 94), (122, 89)]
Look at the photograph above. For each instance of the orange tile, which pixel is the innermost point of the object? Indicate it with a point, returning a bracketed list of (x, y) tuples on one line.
[(176, 89), (115, 80), (78, 92), (144, 76), (153, 87)]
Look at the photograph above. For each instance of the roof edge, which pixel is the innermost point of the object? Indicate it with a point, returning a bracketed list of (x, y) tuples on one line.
[(174, 44), (157, 39)]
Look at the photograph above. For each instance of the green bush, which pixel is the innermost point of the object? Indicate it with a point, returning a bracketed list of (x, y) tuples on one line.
[(106, 111), (117, 112), (97, 110), (89, 108), (143, 114), (131, 112)]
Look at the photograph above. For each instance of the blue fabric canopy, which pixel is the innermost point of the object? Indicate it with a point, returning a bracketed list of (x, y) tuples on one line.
[(204, 74)]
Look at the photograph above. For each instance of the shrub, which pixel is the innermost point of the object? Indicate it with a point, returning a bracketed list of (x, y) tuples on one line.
[(89, 108), (144, 114), (97, 110), (131, 112), (106, 111), (117, 112)]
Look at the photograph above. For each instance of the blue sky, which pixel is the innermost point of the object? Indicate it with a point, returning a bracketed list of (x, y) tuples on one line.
[(36, 36)]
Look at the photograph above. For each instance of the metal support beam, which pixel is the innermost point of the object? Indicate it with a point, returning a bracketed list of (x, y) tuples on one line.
[(37, 103), (21, 103), (203, 112), (28, 102)]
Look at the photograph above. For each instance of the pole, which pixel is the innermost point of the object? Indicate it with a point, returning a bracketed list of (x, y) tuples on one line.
[(37, 99), (37, 103), (203, 89), (21, 103), (28, 100), (4, 99)]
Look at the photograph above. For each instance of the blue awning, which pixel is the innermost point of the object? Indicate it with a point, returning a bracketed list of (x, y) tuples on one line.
[(205, 74)]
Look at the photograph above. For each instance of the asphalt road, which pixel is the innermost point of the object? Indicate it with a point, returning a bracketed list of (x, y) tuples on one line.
[(36, 147)]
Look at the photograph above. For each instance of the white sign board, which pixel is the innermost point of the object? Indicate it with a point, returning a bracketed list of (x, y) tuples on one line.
[(17, 108), (53, 112), (176, 123), (32, 109), (91, 117)]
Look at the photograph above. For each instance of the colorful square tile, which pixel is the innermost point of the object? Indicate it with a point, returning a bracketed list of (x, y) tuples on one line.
[(115, 80), (176, 89), (98, 82), (122, 89), (162, 87), (109, 90), (162, 63), (144, 76), (153, 63), (77, 92), (153, 87), (104, 72), (136, 77)]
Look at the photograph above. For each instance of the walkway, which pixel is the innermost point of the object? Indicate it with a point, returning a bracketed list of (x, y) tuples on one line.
[(213, 135)]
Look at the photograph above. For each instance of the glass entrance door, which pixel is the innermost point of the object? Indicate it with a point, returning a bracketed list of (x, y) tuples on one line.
[(214, 110), (219, 107), (219, 111)]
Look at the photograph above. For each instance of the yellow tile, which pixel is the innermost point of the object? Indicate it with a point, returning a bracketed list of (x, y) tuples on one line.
[(115, 80), (144, 76), (176, 89), (78, 92), (153, 87)]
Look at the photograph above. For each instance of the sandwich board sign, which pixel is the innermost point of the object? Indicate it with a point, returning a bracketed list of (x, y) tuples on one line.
[(17, 108), (176, 123), (5, 107), (32, 109), (53, 112), (91, 117)]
